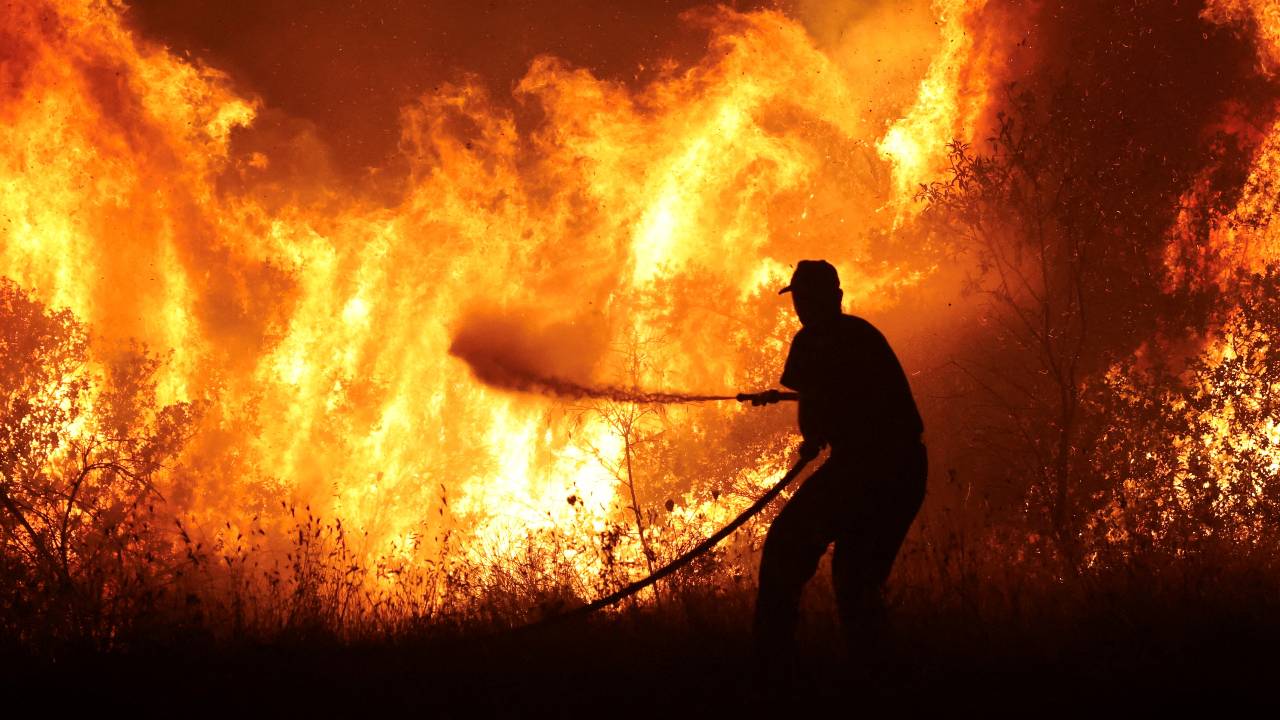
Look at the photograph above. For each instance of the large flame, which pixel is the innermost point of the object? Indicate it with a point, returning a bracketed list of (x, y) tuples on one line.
[(632, 236), (649, 227)]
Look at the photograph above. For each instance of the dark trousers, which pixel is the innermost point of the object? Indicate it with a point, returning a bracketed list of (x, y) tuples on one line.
[(863, 502)]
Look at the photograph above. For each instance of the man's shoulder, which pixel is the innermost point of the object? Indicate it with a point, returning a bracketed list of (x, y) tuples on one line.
[(858, 327), (849, 330)]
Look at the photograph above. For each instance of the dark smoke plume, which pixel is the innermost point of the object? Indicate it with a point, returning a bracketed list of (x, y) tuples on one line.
[(509, 355)]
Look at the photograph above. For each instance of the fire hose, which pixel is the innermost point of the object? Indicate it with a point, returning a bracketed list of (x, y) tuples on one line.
[(702, 547)]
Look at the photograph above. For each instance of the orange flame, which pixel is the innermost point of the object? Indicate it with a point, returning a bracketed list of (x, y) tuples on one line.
[(952, 96), (652, 224)]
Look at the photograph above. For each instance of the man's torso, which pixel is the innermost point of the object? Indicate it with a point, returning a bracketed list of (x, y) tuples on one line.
[(855, 387)]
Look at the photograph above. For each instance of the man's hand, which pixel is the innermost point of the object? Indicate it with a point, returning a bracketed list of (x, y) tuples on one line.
[(809, 449), (768, 397)]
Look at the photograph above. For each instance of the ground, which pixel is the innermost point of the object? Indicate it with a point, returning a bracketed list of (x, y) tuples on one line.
[(1148, 656)]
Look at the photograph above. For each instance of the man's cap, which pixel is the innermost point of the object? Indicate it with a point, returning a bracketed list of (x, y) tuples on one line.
[(813, 276)]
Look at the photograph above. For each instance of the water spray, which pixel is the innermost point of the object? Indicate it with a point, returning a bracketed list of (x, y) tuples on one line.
[(515, 366)]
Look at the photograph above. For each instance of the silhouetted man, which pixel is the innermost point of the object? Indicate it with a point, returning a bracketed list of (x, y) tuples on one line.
[(854, 397)]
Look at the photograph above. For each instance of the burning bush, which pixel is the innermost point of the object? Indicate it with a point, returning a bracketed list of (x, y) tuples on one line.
[(1192, 452)]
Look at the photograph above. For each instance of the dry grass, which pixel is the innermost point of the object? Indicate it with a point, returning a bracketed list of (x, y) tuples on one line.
[(969, 618)]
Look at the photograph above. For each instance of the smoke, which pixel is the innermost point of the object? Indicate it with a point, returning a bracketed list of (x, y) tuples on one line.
[(552, 359), (348, 69), (886, 44)]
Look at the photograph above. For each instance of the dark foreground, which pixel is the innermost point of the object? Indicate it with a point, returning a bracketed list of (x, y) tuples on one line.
[(1146, 657)]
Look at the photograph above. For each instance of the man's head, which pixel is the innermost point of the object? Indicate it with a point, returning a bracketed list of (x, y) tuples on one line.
[(815, 290)]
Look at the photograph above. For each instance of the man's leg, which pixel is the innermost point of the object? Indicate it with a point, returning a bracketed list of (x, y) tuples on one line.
[(796, 542), (866, 549)]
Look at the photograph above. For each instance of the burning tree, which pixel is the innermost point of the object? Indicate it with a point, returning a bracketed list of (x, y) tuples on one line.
[(1019, 212), (1193, 453), (79, 450), (1063, 219)]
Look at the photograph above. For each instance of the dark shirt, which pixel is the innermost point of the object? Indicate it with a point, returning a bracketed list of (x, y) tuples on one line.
[(853, 392)]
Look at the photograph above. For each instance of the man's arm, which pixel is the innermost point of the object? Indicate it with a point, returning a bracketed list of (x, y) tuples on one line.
[(797, 374), (810, 428)]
